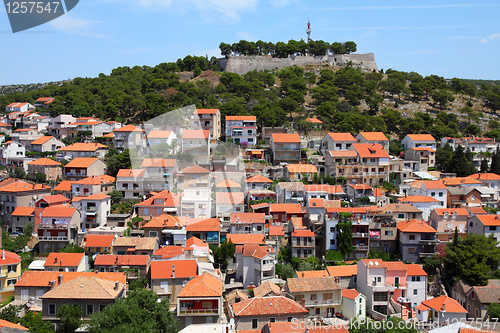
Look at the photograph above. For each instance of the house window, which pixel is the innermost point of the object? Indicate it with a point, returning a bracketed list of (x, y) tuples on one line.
[(411, 237), (440, 194), (12, 268), (90, 309), (477, 313), (388, 232), (327, 296), (52, 309), (433, 194), (332, 229), (415, 292), (39, 293), (254, 324), (401, 215), (24, 294), (411, 250), (314, 297), (289, 319), (153, 233), (332, 241), (272, 320), (11, 282), (472, 295), (379, 279), (101, 307)]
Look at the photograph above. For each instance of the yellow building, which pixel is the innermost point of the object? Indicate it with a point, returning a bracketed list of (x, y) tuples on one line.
[(10, 265)]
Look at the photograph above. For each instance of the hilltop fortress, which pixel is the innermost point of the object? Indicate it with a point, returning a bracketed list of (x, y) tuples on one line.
[(243, 64)]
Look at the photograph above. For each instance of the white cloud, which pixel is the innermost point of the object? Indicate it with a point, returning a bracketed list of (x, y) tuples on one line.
[(490, 38), (76, 26), (247, 36)]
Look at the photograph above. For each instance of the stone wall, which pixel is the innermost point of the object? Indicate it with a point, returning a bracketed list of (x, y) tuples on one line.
[(243, 64)]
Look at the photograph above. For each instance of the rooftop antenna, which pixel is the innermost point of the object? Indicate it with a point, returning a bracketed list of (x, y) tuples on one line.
[(308, 30)]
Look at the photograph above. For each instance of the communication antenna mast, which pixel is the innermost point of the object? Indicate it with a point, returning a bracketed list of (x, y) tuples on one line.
[(308, 30)]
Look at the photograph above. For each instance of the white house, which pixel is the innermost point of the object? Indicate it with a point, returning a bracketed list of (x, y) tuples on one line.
[(418, 140), (442, 310), (425, 203), (484, 225), (336, 142), (431, 188), (95, 209), (242, 129), (254, 264)]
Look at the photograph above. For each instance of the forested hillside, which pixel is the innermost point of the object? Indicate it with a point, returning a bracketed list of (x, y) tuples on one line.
[(346, 99)]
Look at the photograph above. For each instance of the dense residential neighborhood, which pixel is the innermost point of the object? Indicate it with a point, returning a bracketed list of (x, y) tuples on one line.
[(249, 233)]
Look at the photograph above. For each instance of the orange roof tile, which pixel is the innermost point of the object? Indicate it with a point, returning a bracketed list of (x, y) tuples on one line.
[(253, 250), (418, 198), (489, 220), (360, 186), (374, 136), (99, 240), (267, 306), (164, 221), (85, 287), (302, 168), (43, 278), (265, 289), (158, 134), (228, 183), (54, 199), (2, 124), (232, 198), (206, 111), (458, 211), (130, 173), (302, 233), (194, 170), (259, 179), (331, 189), (42, 140), (248, 218), (84, 147), (247, 118), (343, 153), (212, 224), (205, 285), (485, 176), (421, 137), (319, 203), (350, 293), (109, 135), (276, 231), (196, 134), (169, 251), (342, 137), (8, 324), (370, 150), (449, 304), (63, 259), (158, 162), (165, 197), (314, 121), (22, 186), (342, 270), (309, 274), (96, 180), (415, 226), (44, 162), (290, 208), (286, 137), (429, 149), (10, 258), (415, 270), (434, 184), (23, 211), (129, 128), (64, 186), (121, 260), (242, 239), (183, 269), (57, 211), (81, 162)]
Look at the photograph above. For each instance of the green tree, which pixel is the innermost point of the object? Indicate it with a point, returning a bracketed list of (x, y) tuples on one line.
[(141, 311), (35, 324), (116, 196), (69, 317), (72, 248), (40, 177), (10, 313), (494, 311), (472, 259), (285, 271), (442, 98), (223, 253), (484, 165), (495, 163), (443, 158), (19, 173), (345, 234), (431, 264)]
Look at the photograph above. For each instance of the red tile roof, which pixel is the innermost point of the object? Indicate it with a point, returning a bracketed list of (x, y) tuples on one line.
[(22, 186), (458, 211), (485, 176), (196, 134), (276, 231), (206, 111), (415, 270), (228, 183), (169, 251), (99, 241), (54, 199), (121, 260), (350, 293), (205, 285), (415, 226), (23, 211), (242, 239), (194, 169), (342, 270), (319, 203), (212, 224), (309, 274), (342, 137), (58, 211), (10, 258), (42, 140), (302, 233), (96, 180), (259, 179), (489, 220), (418, 198), (84, 147), (130, 173), (253, 250), (434, 184), (8, 324), (373, 136), (229, 198), (129, 128), (302, 168), (158, 162), (286, 137), (44, 162), (247, 118), (312, 284), (164, 221), (314, 121), (56, 259), (184, 269), (64, 186), (429, 149), (81, 162), (158, 134), (421, 137), (370, 150), (165, 196), (248, 218), (444, 303), (289, 208), (267, 306)]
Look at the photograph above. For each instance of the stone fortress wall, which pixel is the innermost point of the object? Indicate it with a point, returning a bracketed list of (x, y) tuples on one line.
[(243, 64)]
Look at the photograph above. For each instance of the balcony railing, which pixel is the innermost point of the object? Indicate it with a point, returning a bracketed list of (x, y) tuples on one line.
[(55, 238), (327, 302), (427, 254), (200, 312), (361, 247), (360, 234), (61, 226), (286, 148), (91, 209), (428, 241)]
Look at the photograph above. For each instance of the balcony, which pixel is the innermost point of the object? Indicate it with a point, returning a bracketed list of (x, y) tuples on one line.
[(200, 312), (302, 244), (91, 209), (328, 302), (426, 254), (428, 241), (361, 247), (360, 235), (54, 239), (286, 148), (60, 226)]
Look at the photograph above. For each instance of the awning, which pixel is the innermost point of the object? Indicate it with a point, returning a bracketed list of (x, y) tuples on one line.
[(91, 213), (131, 249)]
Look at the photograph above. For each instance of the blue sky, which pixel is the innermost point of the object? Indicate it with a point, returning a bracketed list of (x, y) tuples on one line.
[(447, 38)]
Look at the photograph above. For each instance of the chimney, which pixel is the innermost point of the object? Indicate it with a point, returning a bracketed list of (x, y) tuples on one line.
[(3, 253), (60, 279), (52, 284), (116, 285), (173, 271), (443, 309), (303, 302), (303, 274)]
